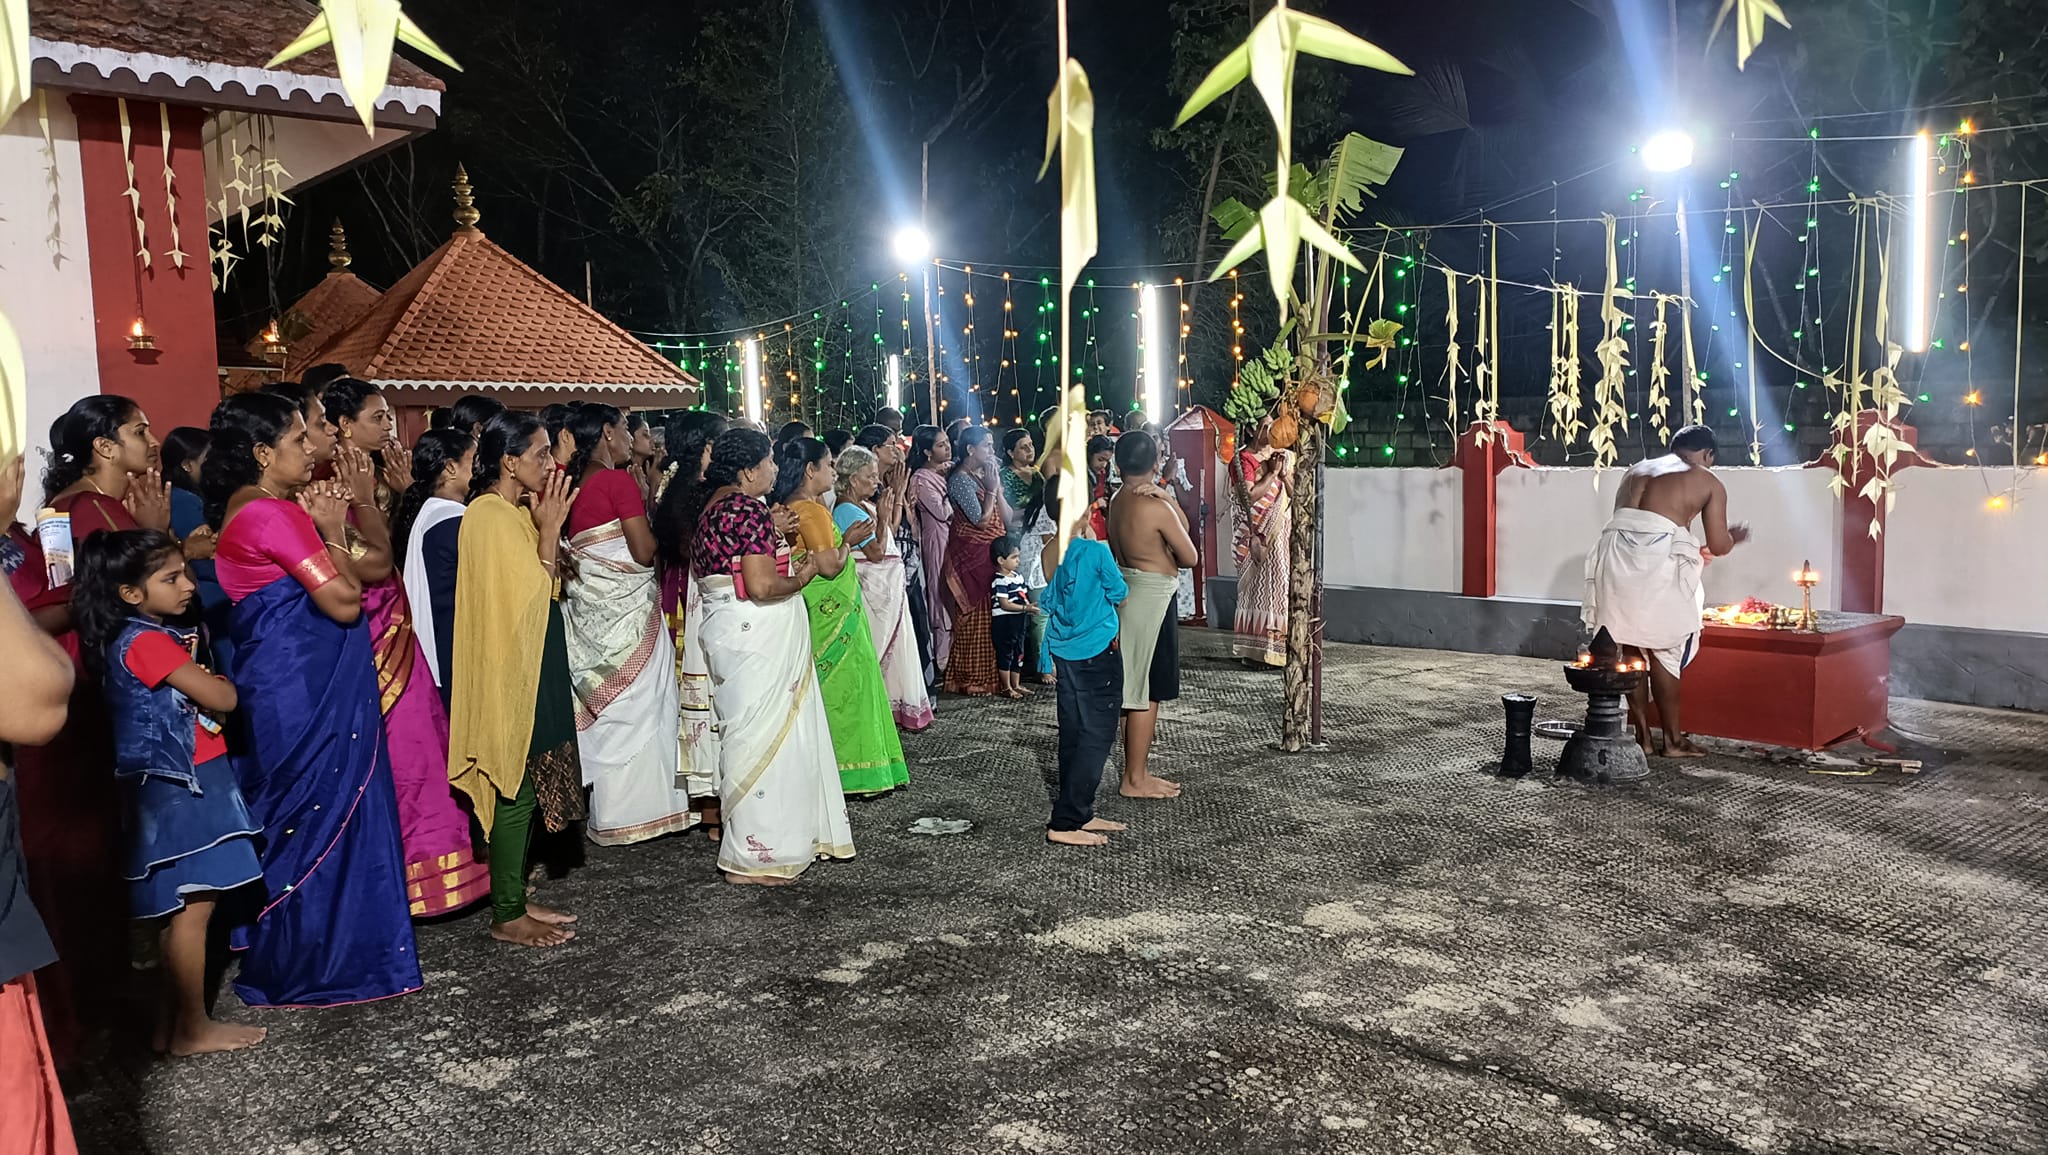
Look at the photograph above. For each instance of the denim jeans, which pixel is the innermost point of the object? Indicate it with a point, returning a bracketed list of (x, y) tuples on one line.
[(1090, 694)]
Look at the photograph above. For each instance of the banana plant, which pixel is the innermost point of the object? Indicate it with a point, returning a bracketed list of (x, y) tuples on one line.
[(1306, 208), (1329, 197)]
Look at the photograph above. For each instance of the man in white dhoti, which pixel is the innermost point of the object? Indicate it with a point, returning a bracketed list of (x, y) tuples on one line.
[(1643, 575)]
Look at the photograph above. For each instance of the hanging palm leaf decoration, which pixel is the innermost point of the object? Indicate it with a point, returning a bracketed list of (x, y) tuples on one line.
[(14, 67), (1750, 16), (363, 34), (1070, 131)]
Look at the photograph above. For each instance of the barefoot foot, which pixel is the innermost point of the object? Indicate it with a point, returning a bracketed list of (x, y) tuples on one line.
[(1104, 826), (756, 879), (530, 931), (1681, 748), (1149, 786), (1076, 838), (207, 1036), (539, 913)]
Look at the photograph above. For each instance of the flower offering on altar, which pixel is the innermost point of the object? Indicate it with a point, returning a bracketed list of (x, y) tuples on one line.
[(1747, 612)]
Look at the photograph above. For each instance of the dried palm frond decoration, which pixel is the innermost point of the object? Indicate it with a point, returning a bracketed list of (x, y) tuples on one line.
[(52, 179), (1566, 423), (133, 193), (1452, 368), (1659, 402), (1610, 402), (177, 250)]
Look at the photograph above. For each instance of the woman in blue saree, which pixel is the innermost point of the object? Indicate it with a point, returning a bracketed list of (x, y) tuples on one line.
[(335, 928)]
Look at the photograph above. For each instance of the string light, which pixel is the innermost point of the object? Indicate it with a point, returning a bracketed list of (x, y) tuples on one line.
[(1008, 372), (1184, 383)]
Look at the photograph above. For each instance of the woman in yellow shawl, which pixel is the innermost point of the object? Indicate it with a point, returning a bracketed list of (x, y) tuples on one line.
[(512, 720)]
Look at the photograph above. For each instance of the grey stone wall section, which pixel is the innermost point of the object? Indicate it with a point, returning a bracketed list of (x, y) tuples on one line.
[(1997, 668)]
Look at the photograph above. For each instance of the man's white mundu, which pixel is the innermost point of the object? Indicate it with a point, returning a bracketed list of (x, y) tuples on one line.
[(1643, 584)]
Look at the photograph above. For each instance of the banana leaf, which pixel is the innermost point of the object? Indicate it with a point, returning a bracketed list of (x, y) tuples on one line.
[(1357, 164)]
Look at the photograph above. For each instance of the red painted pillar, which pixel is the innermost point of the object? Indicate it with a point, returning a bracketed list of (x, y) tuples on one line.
[(1862, 578), (1483, 452), (178, 382)]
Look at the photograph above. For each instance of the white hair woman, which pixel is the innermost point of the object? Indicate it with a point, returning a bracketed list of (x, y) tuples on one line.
[(884, 587)]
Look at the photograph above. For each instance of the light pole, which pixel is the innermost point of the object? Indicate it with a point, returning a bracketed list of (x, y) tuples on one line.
[(914, 245)]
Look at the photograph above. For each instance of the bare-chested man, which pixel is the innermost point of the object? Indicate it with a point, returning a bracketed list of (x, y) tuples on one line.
[(1149, 535), (1643, 576)]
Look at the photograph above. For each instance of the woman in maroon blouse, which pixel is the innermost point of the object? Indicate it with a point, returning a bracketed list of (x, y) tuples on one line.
[(778, 779), (102, 474)]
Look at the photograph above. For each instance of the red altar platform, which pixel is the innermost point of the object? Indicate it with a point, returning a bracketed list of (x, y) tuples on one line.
[(1804, 689)]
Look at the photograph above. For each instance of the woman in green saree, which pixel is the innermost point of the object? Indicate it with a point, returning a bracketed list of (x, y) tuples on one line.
[(864, 739)]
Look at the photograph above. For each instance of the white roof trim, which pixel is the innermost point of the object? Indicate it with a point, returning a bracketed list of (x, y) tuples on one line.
[(645, 386), (181, 70)]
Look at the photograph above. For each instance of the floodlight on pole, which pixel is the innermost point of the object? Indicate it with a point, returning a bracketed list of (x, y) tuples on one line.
[(896, 382), (913, 245), (1920, 205), (1668, 151), (1151, 353), (751, 356)]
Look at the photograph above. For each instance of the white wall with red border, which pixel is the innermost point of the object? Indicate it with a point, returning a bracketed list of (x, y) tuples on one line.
[(45, 281)]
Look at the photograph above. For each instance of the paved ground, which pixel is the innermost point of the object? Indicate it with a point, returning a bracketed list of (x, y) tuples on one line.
[(1377, 949)]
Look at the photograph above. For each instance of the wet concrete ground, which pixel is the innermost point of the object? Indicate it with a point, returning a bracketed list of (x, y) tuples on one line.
[(1373, 949)]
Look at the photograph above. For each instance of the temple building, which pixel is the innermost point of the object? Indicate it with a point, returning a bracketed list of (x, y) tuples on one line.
[(147, 162), (474, 318), (335, 302)]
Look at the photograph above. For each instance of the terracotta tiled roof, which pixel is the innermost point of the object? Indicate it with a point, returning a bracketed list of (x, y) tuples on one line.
[(338, 301), (233, 33), (473, 314)]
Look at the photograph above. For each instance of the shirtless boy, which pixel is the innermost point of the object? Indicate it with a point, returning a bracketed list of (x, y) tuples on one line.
[(1643, 576), (1149, 535)]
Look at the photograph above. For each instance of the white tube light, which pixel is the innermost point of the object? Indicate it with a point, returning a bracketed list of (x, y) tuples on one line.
[(1921, 206), (752, 358), (1152, 345), (896, 382)]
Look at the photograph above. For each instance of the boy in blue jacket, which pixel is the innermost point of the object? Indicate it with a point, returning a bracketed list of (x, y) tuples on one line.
[(1080, 601)]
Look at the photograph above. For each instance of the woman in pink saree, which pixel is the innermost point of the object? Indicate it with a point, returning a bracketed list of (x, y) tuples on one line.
[(1261, 541), (309, 744), (442, 874), (930, 454)]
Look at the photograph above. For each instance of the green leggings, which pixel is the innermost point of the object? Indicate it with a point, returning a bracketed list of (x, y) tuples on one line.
[(511, 828)]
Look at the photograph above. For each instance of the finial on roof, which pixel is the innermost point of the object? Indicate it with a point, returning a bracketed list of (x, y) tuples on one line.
[(337, 247), (466, 215)]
